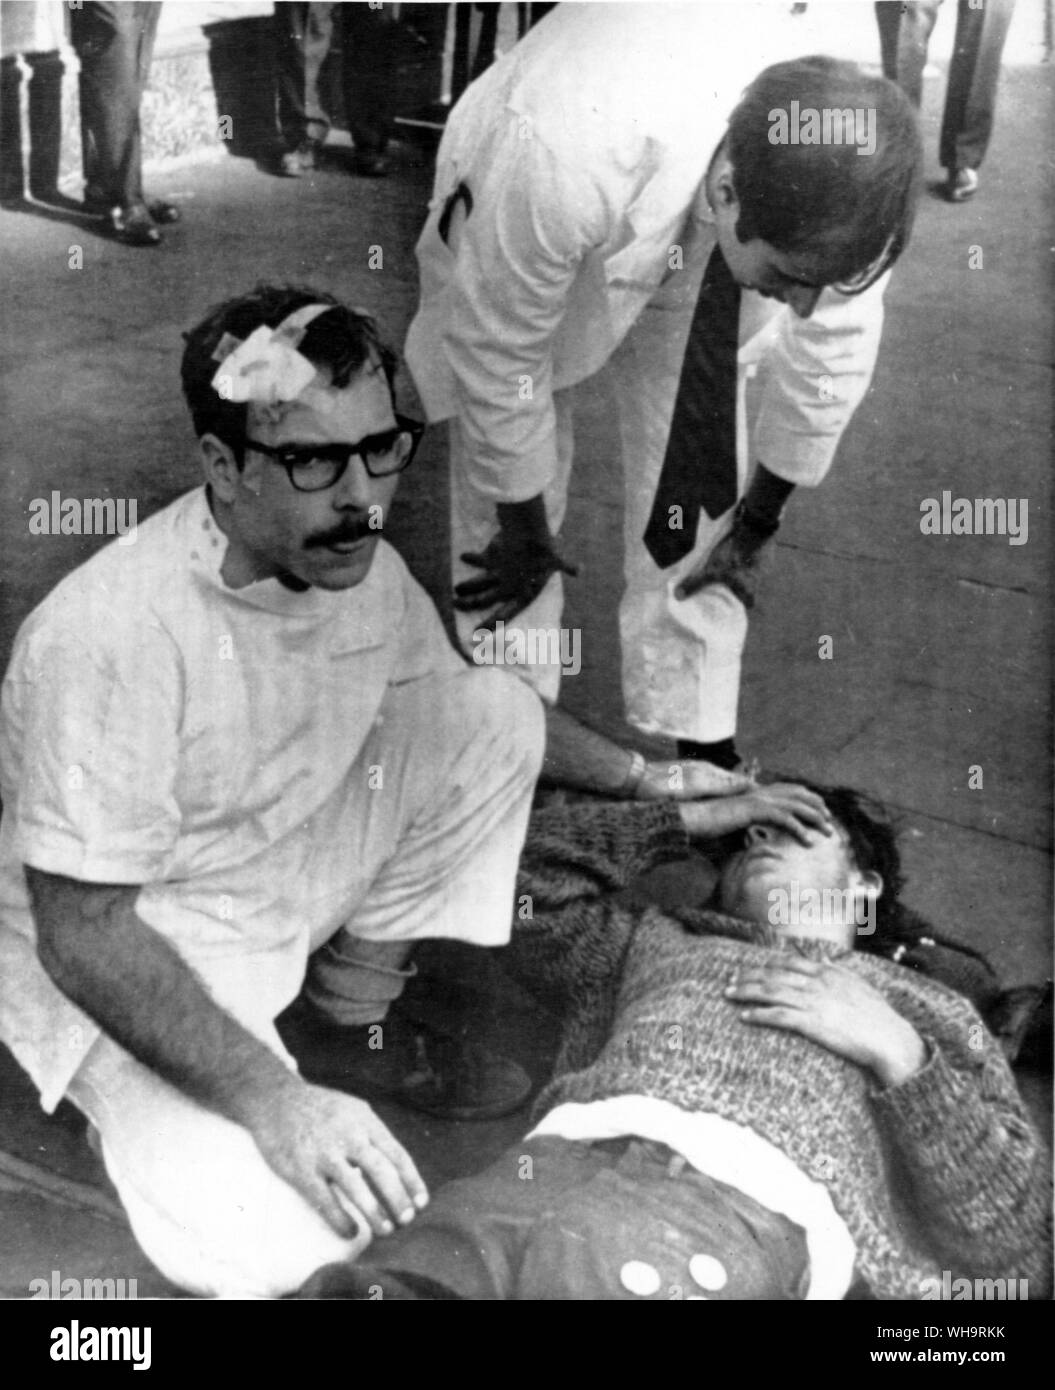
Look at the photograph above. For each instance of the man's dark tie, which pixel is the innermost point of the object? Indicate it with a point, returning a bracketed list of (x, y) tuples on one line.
[(699, 467)]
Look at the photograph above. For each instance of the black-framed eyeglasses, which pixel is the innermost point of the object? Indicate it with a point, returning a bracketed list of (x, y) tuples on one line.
[(315, 467)]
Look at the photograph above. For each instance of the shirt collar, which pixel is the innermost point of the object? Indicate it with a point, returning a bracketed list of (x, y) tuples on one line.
[(362, 616)]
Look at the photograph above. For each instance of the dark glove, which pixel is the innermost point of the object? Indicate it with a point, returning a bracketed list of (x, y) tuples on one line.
[(733, 562), (516, 564)]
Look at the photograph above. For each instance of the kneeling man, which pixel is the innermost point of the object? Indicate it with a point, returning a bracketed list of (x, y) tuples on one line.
[(237, 746)]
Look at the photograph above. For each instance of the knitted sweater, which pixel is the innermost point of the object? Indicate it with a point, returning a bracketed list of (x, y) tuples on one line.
[(944, 1172)]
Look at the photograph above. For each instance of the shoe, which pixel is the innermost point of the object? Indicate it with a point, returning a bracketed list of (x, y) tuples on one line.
[(160, 211), (134, 226), (164, 214), (294, 164), (961, 185), (438, 1074), (370, 166)]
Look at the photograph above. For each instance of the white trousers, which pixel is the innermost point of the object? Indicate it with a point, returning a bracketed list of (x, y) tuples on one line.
[(436, 855), (202, 1203), (680, 658)]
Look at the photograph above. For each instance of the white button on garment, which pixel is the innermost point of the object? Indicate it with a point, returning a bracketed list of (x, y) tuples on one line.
[(708, 1272), (638, 1277)]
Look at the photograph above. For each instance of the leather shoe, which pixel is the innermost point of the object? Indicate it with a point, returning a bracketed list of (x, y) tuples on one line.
[(134, 226), (407, 1061), (160, 211), (370, 166), (163, 213)]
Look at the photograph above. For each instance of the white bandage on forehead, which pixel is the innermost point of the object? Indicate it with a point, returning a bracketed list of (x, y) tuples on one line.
[(266, 367)]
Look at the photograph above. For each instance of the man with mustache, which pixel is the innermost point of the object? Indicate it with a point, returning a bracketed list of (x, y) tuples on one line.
[(239, 754)]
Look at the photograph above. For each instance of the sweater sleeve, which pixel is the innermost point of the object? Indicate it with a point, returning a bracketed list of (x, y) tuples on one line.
[(570, 931), (979, 1169)]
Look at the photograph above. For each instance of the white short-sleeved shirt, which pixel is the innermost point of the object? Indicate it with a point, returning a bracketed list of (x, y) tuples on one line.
[(161, 729)]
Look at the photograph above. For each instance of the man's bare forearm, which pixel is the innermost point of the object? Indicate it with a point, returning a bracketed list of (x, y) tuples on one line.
[(578, 757), (131, 981), (584, 760), (329, 1147)]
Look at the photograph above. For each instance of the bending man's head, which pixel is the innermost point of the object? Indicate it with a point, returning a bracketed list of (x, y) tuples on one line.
[(821, 169)]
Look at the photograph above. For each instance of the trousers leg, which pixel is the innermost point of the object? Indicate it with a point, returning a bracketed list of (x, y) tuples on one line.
[(45, 122), (469, 1241), (12, 179), (353, 982), (368, 72), (115, 44), (303, 34), (680, 657), (974, 73), (905, 28), (438, 838), (203, 1204)]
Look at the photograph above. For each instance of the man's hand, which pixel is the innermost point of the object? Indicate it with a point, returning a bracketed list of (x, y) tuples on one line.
[(734, 562), (336, 1153), (833, 1006), (784, 805), (129, 978), (517, 564), (689, 778)]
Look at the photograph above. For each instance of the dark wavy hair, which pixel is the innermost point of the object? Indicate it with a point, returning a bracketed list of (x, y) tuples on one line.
[(341, 340), (873, 837), (901, 934), (855, 210)]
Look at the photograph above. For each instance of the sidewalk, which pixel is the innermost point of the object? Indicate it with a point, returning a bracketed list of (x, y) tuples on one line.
[(942, 645)]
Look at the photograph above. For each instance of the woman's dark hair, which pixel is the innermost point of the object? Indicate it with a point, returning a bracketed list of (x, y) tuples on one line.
[(873, 838), (341, 340), (853, 207), (901, 934)]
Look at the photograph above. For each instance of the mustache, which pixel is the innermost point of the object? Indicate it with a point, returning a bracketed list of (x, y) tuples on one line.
[(354, 529)]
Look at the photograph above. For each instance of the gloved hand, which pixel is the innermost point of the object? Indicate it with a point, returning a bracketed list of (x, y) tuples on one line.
[(733, 562), (517, 564)]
